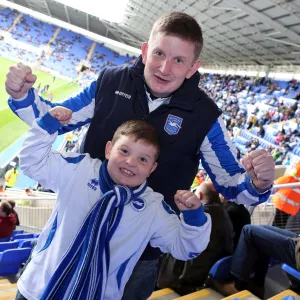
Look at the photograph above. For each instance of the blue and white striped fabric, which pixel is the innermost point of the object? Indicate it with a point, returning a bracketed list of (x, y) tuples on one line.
[(83, 272)]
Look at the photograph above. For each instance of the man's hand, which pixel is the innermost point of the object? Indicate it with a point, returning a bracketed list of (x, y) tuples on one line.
[(61, 114), (260, 166), (186, 200), (19, 80)]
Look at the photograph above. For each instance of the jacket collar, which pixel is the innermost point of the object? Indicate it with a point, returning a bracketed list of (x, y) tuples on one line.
[(184, 97)]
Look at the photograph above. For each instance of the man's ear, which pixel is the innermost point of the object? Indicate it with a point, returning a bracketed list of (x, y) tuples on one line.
[(193, 69), (144, 52), (108, 148)]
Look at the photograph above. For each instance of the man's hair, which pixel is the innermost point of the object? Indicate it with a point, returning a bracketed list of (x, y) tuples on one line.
[(6, 207), (138, 130), (180, 25), (12, 203), (210, 195)]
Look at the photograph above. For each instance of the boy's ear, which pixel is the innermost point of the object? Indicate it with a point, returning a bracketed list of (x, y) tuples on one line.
[(108, 148), (153, 168)]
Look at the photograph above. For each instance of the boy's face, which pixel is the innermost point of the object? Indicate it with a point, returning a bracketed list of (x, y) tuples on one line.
[(168, 60), (130, 163)]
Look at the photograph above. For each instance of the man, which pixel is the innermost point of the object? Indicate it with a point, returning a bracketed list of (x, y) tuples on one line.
[(256, 246), (162, 88)]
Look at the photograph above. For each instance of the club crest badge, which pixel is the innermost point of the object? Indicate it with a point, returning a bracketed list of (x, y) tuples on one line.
[(173, 124), (138, 204)]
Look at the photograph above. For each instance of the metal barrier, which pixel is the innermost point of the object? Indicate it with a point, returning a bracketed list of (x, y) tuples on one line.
[(34, 211)]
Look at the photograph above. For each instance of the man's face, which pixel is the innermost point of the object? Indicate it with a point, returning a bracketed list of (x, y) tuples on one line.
[(130, 163), (168, 60)]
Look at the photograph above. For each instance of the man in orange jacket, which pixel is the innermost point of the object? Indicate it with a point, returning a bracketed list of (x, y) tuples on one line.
[(287, 200)]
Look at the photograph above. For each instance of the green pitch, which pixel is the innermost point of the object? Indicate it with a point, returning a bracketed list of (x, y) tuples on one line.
[(11, 127)]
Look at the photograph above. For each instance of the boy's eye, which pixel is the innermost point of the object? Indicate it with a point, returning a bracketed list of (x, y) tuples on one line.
[(124, 151), (144, 160)]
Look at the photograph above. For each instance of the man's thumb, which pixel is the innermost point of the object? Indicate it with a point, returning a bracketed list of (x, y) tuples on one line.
[(30, 78)]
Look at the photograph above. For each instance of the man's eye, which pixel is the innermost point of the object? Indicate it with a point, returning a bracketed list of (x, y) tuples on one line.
[(179, 60), (159, 53)]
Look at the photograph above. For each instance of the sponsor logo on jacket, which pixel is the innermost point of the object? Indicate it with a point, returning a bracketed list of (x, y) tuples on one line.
[(123, 94), (93, 183)]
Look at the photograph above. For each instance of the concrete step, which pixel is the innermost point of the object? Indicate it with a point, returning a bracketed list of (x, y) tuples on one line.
[(207, 294), (286, 295), (164, 294), (245, 295)]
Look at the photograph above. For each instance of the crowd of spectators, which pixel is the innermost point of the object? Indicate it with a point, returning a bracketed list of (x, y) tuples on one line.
[(262, 107)]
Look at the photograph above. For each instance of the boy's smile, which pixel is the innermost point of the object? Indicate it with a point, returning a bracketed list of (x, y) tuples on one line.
[(130, 162)]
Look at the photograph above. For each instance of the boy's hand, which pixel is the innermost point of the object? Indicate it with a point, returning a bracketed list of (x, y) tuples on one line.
[(61, 114), (186, 200), (19, 80)]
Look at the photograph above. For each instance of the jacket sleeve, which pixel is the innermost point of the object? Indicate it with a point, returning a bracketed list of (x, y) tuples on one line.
[(39, 162), (218, 157), (184, 237), (33, 106)]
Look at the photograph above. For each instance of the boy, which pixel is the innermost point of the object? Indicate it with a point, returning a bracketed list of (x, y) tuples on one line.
[(89, 248), (7, 220)]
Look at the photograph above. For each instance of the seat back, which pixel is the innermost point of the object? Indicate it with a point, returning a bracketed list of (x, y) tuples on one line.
[(11, 260), (290, 270), (8, 245), (220, 271), (17, 232), (23, 236), (26, 243)]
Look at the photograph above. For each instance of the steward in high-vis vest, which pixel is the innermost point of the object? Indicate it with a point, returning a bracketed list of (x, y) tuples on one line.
[(287, 199), (11, 177)]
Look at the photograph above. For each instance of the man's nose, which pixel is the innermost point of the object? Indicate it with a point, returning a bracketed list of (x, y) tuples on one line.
[(166, 67)]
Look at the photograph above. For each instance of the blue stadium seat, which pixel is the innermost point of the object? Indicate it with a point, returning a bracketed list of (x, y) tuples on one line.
[(8, 245), (11, 260), (26, 243), (2, 240), (17, 232), (290, 270), (23, 236), (220, 271)]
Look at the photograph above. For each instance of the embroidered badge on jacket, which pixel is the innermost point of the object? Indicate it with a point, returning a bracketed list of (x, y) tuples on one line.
[(173, 124), (138, 204)]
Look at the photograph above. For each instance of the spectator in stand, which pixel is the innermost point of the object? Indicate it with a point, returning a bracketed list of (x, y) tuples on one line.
[(239, 216), (200, 177), (7, 220), (13, 204), (11, 177)]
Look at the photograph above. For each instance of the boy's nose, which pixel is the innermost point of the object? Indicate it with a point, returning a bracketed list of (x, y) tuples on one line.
[(131, 160)]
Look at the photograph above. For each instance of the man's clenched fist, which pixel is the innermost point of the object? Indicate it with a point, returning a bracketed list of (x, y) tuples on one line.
[(19, 80)]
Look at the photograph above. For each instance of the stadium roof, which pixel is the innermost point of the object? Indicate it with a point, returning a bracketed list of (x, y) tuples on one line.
[(237, 33)]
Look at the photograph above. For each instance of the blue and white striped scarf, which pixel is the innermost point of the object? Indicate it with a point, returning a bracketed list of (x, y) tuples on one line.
[(83, 272)]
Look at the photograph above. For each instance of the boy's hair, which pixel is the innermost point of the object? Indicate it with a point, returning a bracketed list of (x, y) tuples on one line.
[(12, 203), (6, 207), (138, 130), (180, 25)]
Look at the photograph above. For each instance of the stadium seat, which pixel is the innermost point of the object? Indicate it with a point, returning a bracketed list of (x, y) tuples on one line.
[(8, 245), (26, 243), (11, 260), (4, 239), (220, 271), (23, 236), (290, 270), (15, 232)]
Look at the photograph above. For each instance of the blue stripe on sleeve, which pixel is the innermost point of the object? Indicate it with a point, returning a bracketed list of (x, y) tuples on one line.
[(222, 150), (80, 101), (74, 160), (18, 104), (194, 217), (49, 123)]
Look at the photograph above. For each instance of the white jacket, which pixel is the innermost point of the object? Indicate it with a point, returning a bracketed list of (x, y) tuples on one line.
[(74, 177)]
